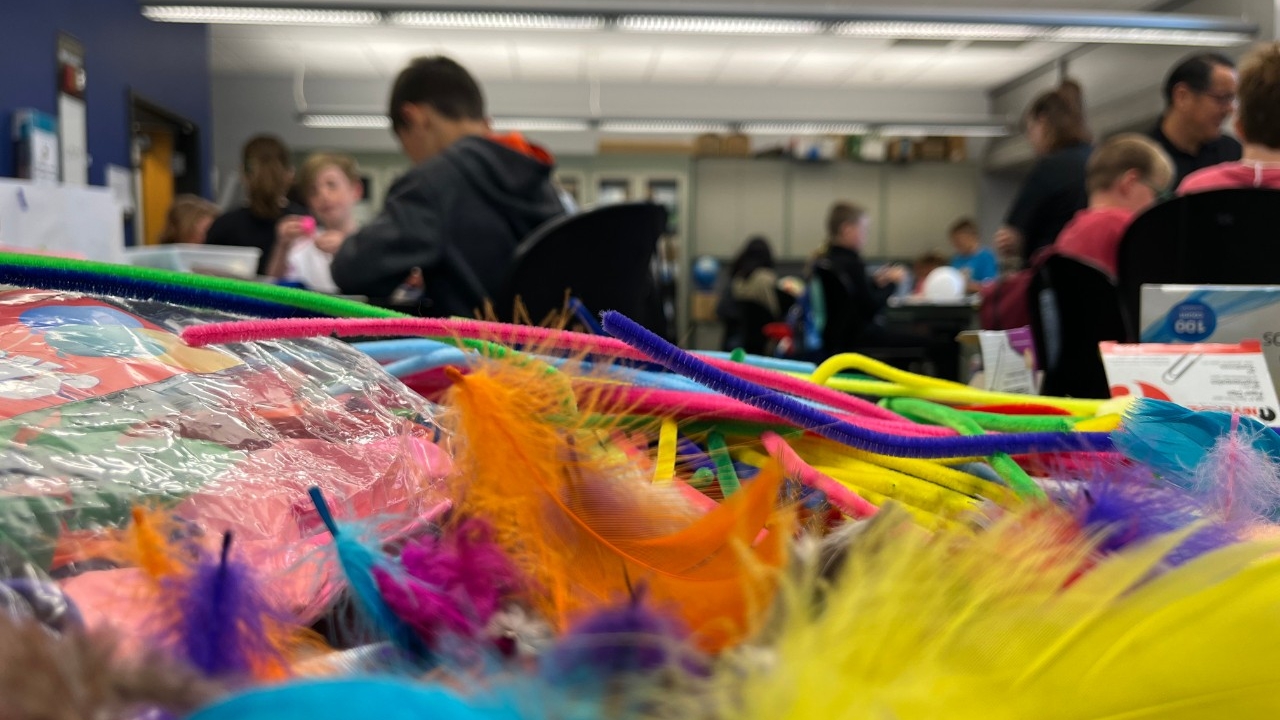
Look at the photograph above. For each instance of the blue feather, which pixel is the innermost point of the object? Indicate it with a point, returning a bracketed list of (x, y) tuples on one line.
[(1173, 440), (375, 699), (358, 562)]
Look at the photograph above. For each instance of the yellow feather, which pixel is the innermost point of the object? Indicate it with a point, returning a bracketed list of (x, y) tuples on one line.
[(1002, 624)]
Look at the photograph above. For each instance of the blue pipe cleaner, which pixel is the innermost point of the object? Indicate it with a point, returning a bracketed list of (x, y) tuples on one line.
[(832, 428), (92, 283)]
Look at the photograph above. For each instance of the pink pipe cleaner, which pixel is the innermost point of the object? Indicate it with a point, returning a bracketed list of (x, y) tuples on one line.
[(259, 330), (695, 405), (841, 497)]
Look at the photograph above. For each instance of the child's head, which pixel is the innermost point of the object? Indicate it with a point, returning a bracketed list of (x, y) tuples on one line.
[(268, 173), (188, 220), (330, 183), (435, 102), (926, 263), (964, 236), (1258, 119), (1055, 119), (847, 226), (1128, 171)]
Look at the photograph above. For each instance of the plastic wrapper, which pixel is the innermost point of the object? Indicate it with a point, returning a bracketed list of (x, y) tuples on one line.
[(103, 408)]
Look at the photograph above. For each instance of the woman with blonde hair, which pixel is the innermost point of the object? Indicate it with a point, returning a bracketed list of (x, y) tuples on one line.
[(188, 220), (267, 173)]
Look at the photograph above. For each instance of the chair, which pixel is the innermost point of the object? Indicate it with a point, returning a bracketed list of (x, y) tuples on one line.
[(901, 355), (1074, 306), (601, 256), (1228, 237)]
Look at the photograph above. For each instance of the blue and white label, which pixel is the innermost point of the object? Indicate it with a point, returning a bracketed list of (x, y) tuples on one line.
[(1192, 321)]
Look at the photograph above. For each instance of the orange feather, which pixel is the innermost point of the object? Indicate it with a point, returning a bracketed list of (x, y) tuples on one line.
[(586, 524)]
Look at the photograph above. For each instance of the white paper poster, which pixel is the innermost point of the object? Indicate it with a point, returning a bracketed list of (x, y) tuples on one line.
[(81, 221), (73, 129)]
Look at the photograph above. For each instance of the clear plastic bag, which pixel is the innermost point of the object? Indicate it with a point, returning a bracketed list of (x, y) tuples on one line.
[(103, 408)]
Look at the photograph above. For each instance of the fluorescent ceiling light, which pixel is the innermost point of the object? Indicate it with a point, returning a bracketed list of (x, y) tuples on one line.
[(675, 127), (1148, 36), (372, 122), (1048, 33), (943, 130), (540, 125), (216, 14), (715, 25), (804, 128), (495, 20), (937, 30)]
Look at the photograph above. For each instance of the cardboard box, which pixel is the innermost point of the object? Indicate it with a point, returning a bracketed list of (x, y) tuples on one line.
[(1214, 313), (999, 360), (704, 306), (933, 149), (1201, 376), (737, 145), (708, 145), (957, 149)]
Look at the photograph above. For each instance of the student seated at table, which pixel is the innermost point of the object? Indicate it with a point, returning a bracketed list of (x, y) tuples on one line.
[(188, 220), (925, 263), (976, 262), (457, 216), (1124, 176), (331, 186), (751, 298), (1257, 124), (854, 300)]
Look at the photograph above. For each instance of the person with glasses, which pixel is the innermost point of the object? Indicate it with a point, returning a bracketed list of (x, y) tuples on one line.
[(1258, 125), (1124, 176), (1199, 96)]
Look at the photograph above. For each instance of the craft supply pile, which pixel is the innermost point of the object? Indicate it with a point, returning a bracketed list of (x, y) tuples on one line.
[(226, 500)]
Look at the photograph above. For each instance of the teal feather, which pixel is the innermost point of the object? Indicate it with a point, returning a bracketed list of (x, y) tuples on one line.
[(1173, 440), (358, 562)]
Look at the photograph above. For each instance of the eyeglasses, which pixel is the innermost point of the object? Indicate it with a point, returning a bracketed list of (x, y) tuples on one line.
[(1223, 99)]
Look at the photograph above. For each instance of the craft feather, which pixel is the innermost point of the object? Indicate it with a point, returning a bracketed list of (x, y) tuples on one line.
[(581, 522), (358, 563), (1239, 479), (629, 639), (220, 621), (985, 626), (81, 676), (452, 584), (1174, 440), (1125, 506)]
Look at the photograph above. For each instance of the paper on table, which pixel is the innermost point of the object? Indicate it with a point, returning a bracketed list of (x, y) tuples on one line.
[(120, 182)]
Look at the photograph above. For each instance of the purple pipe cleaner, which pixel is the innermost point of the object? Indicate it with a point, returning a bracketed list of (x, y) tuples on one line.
[(787, 407)]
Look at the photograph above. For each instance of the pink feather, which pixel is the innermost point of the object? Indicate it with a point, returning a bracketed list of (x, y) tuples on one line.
[(1237, 479), (452, 585)]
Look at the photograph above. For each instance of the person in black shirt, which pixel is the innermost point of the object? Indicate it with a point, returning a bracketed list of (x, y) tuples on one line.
[(1199, 96), (268, 175), (1054, 190), (853, 299)]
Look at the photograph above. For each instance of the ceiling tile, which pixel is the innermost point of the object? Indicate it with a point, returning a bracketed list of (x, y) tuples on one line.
[(687, 64), (620, 64), (549, 62), (747, 65)]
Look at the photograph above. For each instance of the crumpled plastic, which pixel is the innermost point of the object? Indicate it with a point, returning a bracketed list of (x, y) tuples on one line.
[(103, 408)]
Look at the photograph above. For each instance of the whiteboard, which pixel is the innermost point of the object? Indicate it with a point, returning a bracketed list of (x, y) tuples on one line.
[(79, 220)]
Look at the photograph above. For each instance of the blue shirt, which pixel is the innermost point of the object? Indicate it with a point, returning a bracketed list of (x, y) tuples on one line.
[(981, 266)]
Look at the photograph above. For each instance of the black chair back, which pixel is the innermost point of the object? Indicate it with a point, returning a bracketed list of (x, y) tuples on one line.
[(1074, 306), (1226, 237), (602, 257)]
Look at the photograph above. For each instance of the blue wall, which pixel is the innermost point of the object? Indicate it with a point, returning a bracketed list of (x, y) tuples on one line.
[(164, 63)]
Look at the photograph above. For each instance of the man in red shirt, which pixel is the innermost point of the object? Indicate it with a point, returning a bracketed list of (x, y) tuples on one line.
[(1124, 176)]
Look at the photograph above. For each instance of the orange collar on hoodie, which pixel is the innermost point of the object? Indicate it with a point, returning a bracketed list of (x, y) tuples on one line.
[(516, 141)]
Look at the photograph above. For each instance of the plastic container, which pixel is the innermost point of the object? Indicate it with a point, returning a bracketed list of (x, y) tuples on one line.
[(224, 261)]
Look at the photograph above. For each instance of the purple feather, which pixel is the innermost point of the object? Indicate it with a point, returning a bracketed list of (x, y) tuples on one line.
[(451, 585), (1126, 505), (1238, 478), (628, 639), (223, 620)]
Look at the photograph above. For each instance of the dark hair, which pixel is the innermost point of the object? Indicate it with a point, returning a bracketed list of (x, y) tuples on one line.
[(1259, 113), (841, 213), (1062, 112), (1196, 72), (964, 224), (441, 83), (266, 174), (755, 254)]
